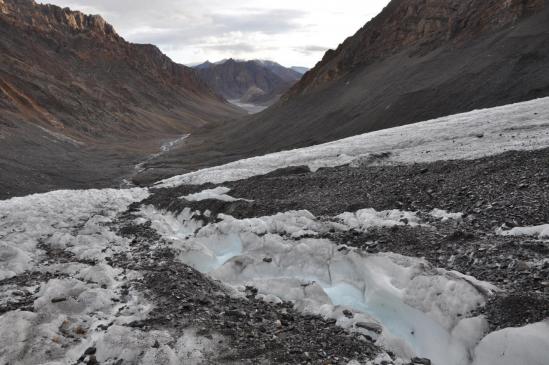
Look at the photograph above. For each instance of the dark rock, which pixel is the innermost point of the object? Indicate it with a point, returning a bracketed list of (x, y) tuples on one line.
[(374, 327), (90, 351), (421, 360), (58, 300), (347, 313)]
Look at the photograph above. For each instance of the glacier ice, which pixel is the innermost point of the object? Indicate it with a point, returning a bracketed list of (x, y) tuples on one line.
[(512, 346), (79, 299), (423, 310), (365, 218), (50, 218), (445, 216), (541, 231)]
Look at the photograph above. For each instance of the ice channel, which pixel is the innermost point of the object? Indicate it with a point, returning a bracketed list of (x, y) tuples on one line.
[(422, 310)]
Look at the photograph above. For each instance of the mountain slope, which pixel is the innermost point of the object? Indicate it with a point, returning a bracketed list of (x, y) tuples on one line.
[(257, 81), (76, 97), (417, 27), (417, 60)]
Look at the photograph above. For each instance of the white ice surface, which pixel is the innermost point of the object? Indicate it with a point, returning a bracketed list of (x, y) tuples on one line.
[(527, 345), (422, 309), (170, 226), (218, 193), (58, 332), (366, 218), (445, 216), (137, 347), (522, 126), (541, 231), (74, 222), (51, 218)]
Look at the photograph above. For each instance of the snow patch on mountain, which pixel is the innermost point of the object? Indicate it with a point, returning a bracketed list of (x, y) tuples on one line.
[(522, 126)]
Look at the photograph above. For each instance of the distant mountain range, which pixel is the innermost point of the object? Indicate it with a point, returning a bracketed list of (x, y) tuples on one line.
[(257, 81)]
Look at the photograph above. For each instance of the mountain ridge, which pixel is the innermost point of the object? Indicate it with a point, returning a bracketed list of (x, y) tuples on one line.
[(254, 81)]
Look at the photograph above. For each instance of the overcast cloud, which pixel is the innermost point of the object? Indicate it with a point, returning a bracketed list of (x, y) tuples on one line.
[(292, 32)]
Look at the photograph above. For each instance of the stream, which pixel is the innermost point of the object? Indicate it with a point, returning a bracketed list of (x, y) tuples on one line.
[(140, 167)]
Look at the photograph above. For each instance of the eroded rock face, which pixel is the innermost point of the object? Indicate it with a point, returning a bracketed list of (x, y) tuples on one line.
[(422, 26), (50, 17), (77, 21)]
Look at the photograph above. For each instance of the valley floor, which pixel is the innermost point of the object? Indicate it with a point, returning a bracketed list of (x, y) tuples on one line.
[(58, 166), (249, 107)]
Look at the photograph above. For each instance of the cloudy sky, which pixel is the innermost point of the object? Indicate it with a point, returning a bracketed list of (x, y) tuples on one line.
[(292, 32)]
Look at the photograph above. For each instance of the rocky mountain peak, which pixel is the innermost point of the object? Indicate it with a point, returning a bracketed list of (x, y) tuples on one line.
[(253, 81), (419, 26), (51, 18)]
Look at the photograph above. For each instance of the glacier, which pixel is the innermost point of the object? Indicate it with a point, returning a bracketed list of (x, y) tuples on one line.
[(421, 310), (486, 132)]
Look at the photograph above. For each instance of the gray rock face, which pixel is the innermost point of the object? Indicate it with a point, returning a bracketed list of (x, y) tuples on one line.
[(421, 361), (369, 326)]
